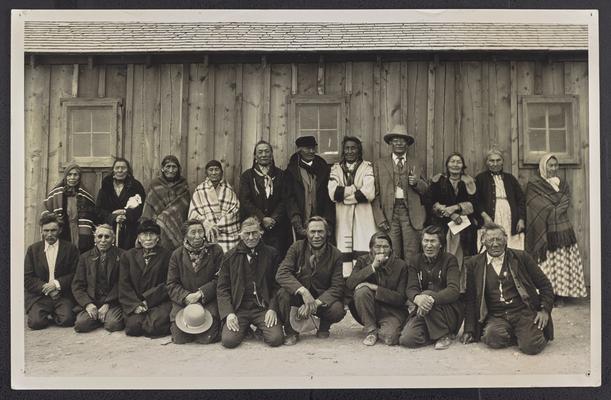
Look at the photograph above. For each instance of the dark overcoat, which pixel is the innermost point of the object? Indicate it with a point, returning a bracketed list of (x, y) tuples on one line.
[(84, 283)]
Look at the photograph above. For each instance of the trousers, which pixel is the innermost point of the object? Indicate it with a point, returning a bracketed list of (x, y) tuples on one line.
[(153, 323), (376, 317), (503, 331), (328, 314), (252, 315), (441, 321), (405, 239), (113, 321), (46, 309)]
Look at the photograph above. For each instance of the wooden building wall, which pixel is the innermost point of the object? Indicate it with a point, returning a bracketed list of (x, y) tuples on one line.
[(204, 111)]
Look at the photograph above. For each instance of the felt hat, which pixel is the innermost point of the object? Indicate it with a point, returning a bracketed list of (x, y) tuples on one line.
[(148, 225), (194, 319), (306, 141), (399, 131), (303, 325)]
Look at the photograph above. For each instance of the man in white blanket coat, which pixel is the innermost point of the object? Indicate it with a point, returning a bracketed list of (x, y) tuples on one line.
[(352, 189)]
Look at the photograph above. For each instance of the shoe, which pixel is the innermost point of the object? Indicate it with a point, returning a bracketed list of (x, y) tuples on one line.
[(290, 340), (443, 343), (322, 334), (370, 340)]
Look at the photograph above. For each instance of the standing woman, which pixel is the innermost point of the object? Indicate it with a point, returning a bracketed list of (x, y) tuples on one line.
[(550, 237), (352, 189), (167, 202), (112, 203), (452, 197), (74, 207)]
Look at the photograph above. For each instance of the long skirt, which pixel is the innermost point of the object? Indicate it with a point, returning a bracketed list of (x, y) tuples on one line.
[(564, 269), (502, 216)]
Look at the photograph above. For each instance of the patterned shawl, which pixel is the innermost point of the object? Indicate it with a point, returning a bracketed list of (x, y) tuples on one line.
[(167, 204), (222, 210), (549, 227)]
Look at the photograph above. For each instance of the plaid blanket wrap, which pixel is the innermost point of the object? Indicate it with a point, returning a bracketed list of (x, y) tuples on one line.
[(85, 204), (548, 224), (221, 210), (167, 203)]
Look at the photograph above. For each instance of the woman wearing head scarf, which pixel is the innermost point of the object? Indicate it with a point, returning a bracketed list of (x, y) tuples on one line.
[(550, 237), (215, 203), (500, 199), (167, 202), (351, 187), (119, 203), (75, 207), (451, 198)]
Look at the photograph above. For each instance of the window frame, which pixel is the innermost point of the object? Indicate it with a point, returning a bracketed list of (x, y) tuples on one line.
[(71, 103), (297, 100), (573, 156)]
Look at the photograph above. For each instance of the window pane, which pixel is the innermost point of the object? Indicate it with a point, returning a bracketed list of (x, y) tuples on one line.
[(557, 141), (536, 115), (101, 145), (536, 140), (328, 116), (307, 117), (557, 114), (81, 120), (81, 145), (101, 119), (328, 142)]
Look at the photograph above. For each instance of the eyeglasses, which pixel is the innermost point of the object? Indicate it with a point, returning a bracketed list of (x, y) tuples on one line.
[(101, 236)]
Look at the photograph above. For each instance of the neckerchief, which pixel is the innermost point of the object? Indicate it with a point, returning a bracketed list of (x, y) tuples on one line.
[(195, 253), (350, 172), (309, 168), (148, 254), (268, 181)]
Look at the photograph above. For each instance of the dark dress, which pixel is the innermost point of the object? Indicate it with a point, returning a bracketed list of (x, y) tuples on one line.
[(108, 201)]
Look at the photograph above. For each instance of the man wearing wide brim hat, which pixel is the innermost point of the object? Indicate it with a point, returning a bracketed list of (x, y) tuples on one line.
[(398, 207), (307, 177)]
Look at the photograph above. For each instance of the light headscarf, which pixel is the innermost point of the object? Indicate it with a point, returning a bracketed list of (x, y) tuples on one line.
[(553, 181)]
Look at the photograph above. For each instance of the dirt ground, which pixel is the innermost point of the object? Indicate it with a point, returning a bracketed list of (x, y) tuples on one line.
[(60, 352)]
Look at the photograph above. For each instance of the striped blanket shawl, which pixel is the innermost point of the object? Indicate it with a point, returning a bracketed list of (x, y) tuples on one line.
[(85, 204), (167, 203), (548, 224), (221, 210)]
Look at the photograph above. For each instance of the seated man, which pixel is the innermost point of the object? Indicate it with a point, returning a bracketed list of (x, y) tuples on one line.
[(378, 280), (49, 268), (246, 290), (142, 284), (192, 279), (311, 278), (509, 298), (433, 286), (96, 284)]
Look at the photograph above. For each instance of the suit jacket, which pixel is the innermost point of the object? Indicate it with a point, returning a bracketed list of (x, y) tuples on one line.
[(232, 278), (528, 279), (384, 201), (447, 284), (486, 197), (183, 280), (325, 281), (84, 283), (36, 270), (139, 282)]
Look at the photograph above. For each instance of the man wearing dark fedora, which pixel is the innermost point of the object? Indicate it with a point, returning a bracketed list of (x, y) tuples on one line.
[(398, 207), (307, 177), (142, 284)]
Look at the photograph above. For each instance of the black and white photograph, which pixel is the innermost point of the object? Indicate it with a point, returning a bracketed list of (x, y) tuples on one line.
[(277, 199)]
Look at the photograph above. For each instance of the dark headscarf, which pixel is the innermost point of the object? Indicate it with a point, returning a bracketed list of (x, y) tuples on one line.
[(173, 159), (70, 190)]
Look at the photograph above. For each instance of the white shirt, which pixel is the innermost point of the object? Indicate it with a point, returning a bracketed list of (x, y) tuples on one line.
[(398, 190), (51, 254), (307, 162), (497, 262)]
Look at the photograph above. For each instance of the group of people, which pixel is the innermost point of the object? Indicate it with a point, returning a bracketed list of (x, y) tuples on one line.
[(412, 258)]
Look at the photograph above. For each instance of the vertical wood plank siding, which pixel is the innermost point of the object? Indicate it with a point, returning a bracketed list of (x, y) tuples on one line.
[(204, 111)]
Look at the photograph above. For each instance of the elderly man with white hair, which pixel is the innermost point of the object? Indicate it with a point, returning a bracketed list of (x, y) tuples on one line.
[(96, 284)]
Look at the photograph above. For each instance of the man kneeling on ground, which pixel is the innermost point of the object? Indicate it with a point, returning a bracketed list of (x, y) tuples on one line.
[(311, 279), (509, 299), (433, 286), (246, 289), (378, 280), (96, 284)]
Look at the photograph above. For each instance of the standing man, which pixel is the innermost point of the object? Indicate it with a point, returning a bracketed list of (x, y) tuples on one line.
[(508, 297), (246, 289), (96, 284), (262, 195), (307, 177), (311, 278), (48, 271), (398, 207)]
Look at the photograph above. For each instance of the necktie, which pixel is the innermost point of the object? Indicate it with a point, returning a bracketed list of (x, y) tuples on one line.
[(400, 164)]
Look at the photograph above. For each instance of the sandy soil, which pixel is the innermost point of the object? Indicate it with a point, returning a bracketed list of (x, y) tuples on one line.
[(57, 352)]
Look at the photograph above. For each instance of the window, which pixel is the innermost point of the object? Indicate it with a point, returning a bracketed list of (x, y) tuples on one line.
[(91, 128), (549, 124), (322, 117)]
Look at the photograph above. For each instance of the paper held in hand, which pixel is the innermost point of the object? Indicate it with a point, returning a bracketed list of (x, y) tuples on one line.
[(456, 228)]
